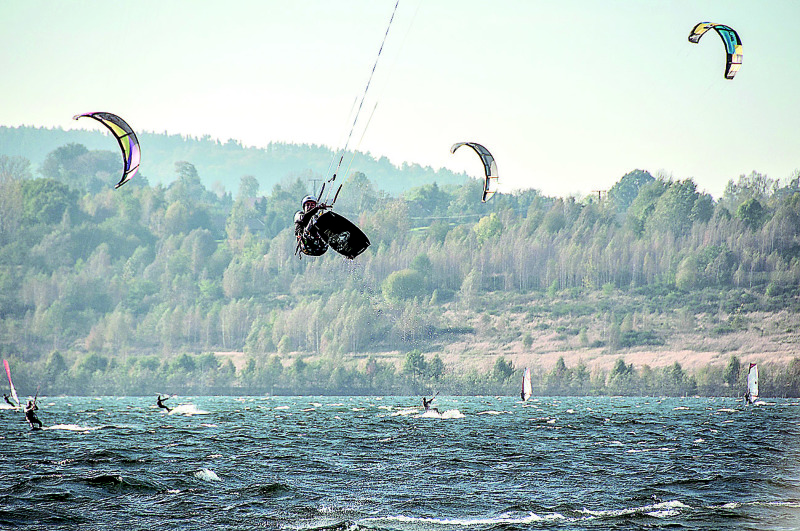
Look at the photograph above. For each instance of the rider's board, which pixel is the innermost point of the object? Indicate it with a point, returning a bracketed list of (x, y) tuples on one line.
[(340, 233)]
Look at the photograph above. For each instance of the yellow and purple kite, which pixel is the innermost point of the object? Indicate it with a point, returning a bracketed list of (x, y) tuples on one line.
[(733, 44), (128, 143)]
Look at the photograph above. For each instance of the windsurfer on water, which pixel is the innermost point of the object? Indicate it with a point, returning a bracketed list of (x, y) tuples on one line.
[(160, 402), (9, 402), (30, 416)]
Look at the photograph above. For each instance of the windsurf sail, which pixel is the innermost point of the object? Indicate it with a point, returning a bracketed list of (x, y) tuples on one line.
[(527, 388), (13, 390), (752, 383)]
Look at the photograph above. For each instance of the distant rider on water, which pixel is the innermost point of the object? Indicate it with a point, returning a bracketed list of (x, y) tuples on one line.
[(160, 402), (30, 416), (427, 404)]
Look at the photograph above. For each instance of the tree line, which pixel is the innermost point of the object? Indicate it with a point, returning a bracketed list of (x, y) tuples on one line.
[(126, 282)]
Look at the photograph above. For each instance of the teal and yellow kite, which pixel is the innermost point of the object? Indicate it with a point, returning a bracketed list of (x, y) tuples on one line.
[(733, 44)]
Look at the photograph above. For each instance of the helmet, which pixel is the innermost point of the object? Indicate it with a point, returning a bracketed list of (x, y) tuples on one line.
[(308, 199)]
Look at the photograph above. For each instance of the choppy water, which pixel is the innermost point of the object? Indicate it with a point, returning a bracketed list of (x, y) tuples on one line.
[(376, 463)]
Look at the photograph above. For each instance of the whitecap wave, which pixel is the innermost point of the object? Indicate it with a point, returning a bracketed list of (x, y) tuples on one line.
[(729, 505), (503, 519), (72, 427), (657, 510), (449, 414), (207, 475), (791, 504), (187, 409)]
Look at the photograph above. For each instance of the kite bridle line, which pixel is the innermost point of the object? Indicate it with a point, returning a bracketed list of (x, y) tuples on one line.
[(335, 152), (364, 94), (363, 134)]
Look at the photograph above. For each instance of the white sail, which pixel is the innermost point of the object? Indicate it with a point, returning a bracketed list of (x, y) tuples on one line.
[(752, 382), (13, 391), (527, 388)]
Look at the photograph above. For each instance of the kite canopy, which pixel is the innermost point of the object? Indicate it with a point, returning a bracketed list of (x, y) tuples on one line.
[(126, 138), (489, 167), (733, 44)]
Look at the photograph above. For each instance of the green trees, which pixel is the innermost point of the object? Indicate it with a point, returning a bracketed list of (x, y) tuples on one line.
[(751, 213), (503, 369), (179, 272), (46, 201), (404, 284), (627, 188)]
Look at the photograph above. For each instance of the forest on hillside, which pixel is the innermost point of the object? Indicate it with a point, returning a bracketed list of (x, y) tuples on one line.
[(132, 290), (220, 164)]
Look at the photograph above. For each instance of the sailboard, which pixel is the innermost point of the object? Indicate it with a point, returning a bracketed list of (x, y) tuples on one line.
[(527, 388), (13, 390), (342, 235), (752, 383)]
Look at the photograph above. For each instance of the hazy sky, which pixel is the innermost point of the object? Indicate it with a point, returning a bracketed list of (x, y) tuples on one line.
[(569, 95)]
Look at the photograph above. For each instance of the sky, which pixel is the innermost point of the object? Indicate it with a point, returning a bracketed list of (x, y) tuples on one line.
[(568, 95)]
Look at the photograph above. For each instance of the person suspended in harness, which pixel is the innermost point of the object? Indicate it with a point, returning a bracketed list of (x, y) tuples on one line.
[(309, 240)]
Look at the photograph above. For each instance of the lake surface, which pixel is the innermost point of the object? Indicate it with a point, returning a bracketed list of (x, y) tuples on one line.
[(371, 463)]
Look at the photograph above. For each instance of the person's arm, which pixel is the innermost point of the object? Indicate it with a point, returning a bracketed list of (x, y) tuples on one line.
[(310, 214)]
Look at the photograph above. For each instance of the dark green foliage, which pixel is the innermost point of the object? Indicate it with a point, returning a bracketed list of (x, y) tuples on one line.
[(404, 284), (46, 201), (634, 338), (625, 191), (751, 213), (502, 369)]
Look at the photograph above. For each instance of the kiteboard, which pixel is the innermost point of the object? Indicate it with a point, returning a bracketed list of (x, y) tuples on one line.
[(342, 235)]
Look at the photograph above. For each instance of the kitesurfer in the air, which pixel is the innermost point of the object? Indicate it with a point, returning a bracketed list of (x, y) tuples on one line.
[(160, 402), (9, 402), (30, 416), (309, 240)]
